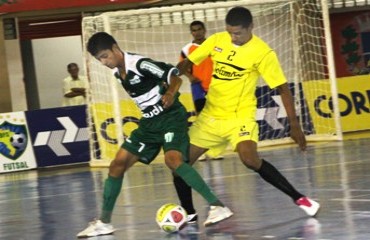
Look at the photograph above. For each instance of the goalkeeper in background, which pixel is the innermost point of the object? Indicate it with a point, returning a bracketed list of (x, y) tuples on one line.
[(199, 76), (239, 58), (153, 86)]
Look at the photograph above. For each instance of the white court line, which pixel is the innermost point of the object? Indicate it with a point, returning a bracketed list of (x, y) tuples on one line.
[(350, 200)]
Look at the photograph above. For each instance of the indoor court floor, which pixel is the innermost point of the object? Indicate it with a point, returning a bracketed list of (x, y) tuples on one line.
[(57, 203)]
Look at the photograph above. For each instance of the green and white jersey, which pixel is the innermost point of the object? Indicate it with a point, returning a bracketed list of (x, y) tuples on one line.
[(146, 81)]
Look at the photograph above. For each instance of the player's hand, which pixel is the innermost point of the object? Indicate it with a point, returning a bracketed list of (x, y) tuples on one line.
[(297, 135), (168, 99)]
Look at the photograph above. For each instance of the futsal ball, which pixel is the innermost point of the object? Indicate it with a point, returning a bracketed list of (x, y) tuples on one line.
[(171, 217), (19, 141)]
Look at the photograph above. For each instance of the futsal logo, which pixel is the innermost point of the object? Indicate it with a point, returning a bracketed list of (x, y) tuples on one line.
[(13, 140), (168, 137)]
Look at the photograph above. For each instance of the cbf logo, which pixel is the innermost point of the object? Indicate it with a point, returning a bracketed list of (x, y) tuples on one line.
[(13, 140)]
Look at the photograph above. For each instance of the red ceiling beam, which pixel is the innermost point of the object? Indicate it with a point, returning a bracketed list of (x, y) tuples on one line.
[(12, 6)]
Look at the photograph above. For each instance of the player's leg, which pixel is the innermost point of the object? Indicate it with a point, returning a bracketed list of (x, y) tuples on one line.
[(247, 151), (246, 147), (199, 105), (176, 148), (113, 184), (192, 178), (184, 191), (182, 186), (112, 188), (199, 100), (173, 160)]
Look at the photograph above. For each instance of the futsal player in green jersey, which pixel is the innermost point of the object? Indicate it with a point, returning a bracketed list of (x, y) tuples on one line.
[(153, 86), (239, 58)]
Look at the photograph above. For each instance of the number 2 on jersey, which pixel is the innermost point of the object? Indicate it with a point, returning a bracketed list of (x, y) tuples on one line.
[(232, 54)]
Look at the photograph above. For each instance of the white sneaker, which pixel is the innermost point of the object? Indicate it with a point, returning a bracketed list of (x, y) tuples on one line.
[(217, 214), (202, 157), (96, 228), (219, 157), (192, 218), (308, 205)]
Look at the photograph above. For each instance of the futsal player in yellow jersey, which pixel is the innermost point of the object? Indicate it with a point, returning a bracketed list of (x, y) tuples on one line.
[(239, 58)]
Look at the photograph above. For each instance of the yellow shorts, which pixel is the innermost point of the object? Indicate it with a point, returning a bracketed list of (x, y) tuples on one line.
[(217, 134)]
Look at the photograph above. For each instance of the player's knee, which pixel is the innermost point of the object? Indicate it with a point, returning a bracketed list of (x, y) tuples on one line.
[(251, 163), (123, 163), (173, 163)]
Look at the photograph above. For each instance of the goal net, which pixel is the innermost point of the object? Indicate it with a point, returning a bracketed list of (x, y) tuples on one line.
[(297, 30)]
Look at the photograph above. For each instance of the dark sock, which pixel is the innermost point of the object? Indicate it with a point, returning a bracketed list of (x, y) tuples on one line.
[(193, 179), (112, 188), (271, 175), (184, 192)]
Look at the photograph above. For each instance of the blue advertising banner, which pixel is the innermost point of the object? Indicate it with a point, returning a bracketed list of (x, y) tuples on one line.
[(272, 117), (59, 135)]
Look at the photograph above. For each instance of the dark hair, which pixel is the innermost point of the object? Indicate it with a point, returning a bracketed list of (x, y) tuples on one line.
[(100, 41), (71, 65), (239, 16), (194, 23)]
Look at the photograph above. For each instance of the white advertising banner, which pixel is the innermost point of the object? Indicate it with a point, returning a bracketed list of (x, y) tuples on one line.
[(16, 152)]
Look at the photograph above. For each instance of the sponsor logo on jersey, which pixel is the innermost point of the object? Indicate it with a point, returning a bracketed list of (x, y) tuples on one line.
[(222, 72), (244, 134), (154, 69), (154, 112), (217, 49), (168, 137), (228, 71)]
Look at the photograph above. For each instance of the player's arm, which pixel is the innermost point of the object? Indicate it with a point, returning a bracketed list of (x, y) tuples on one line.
[(191, 77), (79, 90), (188, 72), (295, 129), (273, 74), (184, 66), (166, 75), (75, 92), (72, 94), (198, 55), (173, 87)]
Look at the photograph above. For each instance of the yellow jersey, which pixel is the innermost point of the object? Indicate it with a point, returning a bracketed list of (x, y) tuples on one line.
[(235, 73)]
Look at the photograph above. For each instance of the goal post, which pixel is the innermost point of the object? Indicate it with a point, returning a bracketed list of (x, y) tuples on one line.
[(299, 32)]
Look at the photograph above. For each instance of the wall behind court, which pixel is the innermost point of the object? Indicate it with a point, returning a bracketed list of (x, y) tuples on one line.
[(51, 56)]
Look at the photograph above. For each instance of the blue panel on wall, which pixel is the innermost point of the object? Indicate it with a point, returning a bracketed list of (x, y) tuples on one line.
[(59, 135)]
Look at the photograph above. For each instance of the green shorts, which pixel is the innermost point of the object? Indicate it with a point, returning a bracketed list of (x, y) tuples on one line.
[(168, 131)]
